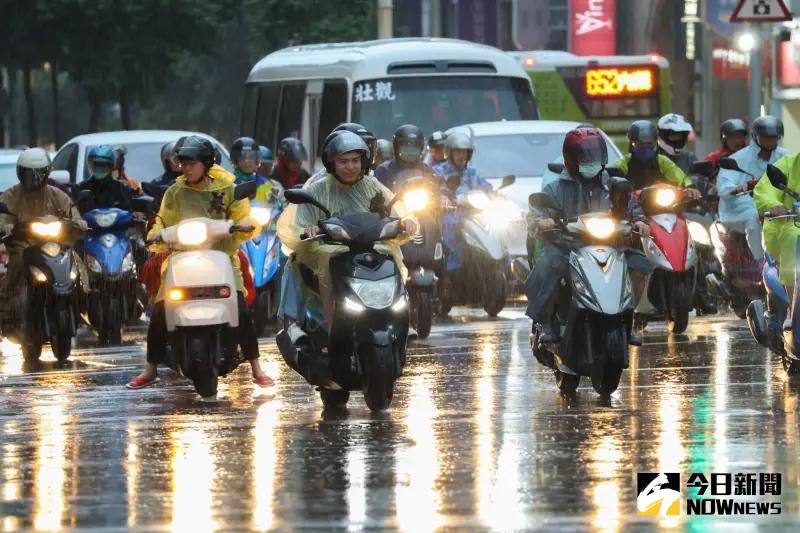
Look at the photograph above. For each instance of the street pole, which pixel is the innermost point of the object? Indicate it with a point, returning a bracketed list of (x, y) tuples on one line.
[(756, 75), (385, 12)]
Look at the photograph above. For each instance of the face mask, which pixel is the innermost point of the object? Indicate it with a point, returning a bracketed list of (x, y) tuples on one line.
[(645, 152), (100, 174), (590, 170), (409, 154)]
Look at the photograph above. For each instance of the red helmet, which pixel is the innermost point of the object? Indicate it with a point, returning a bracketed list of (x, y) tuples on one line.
[(584, 145)]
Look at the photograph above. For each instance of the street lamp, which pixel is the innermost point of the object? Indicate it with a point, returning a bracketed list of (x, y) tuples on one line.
[(746, 42)]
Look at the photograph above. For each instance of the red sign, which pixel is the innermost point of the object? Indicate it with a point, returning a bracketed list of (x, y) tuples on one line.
[(728, 63), (788, 69), (761, 11), (593, 27)]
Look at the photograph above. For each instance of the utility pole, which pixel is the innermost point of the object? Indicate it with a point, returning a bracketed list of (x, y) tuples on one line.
[(385, 22), (755, 99)]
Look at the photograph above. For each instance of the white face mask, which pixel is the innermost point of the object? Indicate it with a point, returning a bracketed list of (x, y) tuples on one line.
[(590, 170)]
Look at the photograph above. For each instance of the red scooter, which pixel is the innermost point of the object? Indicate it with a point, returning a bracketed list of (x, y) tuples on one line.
[(670, 248)]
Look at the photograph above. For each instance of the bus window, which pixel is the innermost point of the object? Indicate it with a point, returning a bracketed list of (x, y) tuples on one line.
[(249, 109), (439, 102), (290, 119), (334, 109), (269, 96)]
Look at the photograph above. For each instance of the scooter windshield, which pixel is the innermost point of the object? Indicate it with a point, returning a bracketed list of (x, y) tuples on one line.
[(359, 228)]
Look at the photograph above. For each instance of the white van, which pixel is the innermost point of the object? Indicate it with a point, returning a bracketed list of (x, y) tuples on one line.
[(305, 91)]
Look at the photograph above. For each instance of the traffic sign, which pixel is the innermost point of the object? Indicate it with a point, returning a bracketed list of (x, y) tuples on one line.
[(761, 11)]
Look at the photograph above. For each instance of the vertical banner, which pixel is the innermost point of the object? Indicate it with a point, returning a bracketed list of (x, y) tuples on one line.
[(477, 21), (593, 29)]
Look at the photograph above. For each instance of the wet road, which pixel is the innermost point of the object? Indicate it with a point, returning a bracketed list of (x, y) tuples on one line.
[(477, 438)]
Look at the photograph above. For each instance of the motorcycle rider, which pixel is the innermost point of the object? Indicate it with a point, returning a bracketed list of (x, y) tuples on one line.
[(347, 188), (459, 177), (119, 174), (198, 194), (31, 198), (289, 171), (582, 187), (352, 127), (265, 168), (383, 153), (106, 191), (673, 134), (436, 145), (408, 142), (738, 211), (733, 136)]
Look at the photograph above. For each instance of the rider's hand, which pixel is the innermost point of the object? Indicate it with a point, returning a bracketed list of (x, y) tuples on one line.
[(693, 194), (409, 226), (546, 224), (777, 211), (311, 232), (246, 228), (642, 228), (742, 188), (82, 225)]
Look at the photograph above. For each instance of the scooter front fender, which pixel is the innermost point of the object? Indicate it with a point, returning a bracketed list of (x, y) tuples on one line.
[(476, 236)]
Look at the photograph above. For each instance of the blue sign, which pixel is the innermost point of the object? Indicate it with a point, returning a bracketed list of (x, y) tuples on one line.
[(718, 15)]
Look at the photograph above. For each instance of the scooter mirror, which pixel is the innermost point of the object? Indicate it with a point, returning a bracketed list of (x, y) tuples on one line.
[(728, 163), (300, 196), (776, 177), (620, 190), (61, 177), (508, 181), (557, 168), (245, 190), (143, 204), (702, 168), (540, 200), (615, 172)]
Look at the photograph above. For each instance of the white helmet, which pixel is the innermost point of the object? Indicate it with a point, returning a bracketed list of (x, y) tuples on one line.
[(33, 168), (669, 125)]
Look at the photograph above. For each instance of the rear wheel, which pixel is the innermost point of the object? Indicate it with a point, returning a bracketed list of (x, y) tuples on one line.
[(607, 366), (567, 383), (31, 351), (333, 399), (261, 311), (494, 298), (379, 389), (205, 374), (678, 310), (422, 315)]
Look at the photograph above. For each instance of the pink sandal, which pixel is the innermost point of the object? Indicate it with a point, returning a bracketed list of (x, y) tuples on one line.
[(140, 383), (264, 381)]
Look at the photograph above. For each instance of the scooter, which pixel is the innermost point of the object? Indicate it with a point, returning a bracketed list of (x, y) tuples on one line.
[(115, 296), (672, 251), (700, 219), (357, 317), (47, 303), (767, 328), (266, 260), (482, 276), (595, 304), (201, 306)]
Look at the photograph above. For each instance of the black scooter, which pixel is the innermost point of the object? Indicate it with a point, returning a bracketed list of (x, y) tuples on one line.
[(359, 320)]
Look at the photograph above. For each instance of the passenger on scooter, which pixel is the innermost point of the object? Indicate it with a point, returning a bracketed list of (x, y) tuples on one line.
[(198, 194), (31, 198), (345, 189), (265, 168), (459, 177), (383, 152), (436, 144), (582, 187), (737, 210), (289, 171), (246, 159), (106, 191), (119, 173), (673, 134), (408, 143), (733, 136)]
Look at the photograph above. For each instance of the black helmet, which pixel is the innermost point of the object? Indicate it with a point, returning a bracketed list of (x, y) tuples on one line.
[(732, 125), (342, 143), (196, 148), (367, 136), (244, 146), (33, 168), (384, 149), (767, 125), (176, 148), (166, 155), (292, 148), (119, 157), (437, 138), (642, 131), (408, 142)]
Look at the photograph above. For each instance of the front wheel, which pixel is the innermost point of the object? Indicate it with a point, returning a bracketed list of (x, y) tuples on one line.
[(678, 309), (379, 388), (205, 374), (333, 399), (261, 311), (494, 298), (422, 315), (61, 341), (607, 366)]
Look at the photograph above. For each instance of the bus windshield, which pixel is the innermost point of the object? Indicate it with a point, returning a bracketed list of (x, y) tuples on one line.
[(439, 102)]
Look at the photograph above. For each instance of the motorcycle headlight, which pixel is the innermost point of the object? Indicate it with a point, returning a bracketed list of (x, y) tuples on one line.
[(665, 197), (262, 215), (38, 275), (478, 200), (105, 220), (336, 232), (46, 229), (699, 233), (600, 227), (52, 249), (127, 262), (375, 294), (416, 199), (390, 230), (500, 212), (192, 233), (93, 264)]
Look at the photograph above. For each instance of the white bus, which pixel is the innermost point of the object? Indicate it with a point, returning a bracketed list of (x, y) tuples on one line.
[(305, 91)]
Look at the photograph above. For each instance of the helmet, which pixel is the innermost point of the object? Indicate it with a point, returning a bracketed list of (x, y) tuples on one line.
[(266, 153), (437, 138), (408, 142), (767, 125), (732, 125), (342, 143), (119, 157), (642, 131), (292, 148), (669, 125), (101, 161), (458, 140), (244, 146), (166, 155), (384, 150), (196, 148), (33, 168), (584, 146), (367, 136)]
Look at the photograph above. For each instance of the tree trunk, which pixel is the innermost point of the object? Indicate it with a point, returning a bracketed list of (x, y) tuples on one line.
[(12, 120), (31, 108), (94, 113), (56, 106), (125, 110)]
